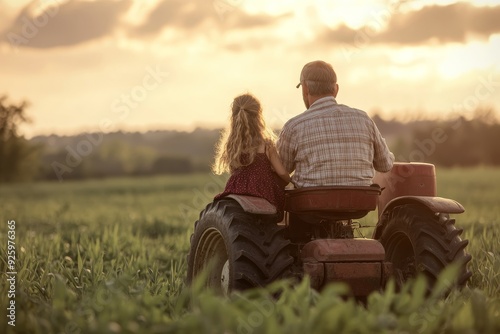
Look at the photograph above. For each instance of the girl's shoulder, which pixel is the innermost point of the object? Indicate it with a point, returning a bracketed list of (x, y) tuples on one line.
[(269, 143), (264, 146)]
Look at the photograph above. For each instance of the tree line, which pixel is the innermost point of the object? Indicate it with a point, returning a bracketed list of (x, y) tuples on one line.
[(457, 142), (454, 142)]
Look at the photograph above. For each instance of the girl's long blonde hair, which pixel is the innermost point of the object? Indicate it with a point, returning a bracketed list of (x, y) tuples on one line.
[(247, 131)]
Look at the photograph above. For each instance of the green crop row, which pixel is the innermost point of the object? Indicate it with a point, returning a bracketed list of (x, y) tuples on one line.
[(109, 256)]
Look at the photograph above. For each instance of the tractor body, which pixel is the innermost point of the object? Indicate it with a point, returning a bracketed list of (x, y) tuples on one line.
[(414, 234), (320, 227)]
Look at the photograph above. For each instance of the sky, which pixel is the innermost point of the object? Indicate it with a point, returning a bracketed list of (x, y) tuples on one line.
[(139, 65)]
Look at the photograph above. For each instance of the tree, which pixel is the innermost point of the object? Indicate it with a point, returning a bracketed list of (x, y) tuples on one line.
[(16, 155)]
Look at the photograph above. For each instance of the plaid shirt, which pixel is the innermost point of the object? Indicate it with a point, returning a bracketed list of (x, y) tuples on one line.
[(333, 144)]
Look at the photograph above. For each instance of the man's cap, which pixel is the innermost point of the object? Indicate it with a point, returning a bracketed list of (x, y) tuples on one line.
[(318, 71)]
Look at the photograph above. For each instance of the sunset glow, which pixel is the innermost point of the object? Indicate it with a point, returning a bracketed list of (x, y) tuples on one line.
[(166, 64)]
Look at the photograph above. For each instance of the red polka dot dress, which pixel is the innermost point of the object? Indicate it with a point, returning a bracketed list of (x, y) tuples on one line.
[(257, 179)]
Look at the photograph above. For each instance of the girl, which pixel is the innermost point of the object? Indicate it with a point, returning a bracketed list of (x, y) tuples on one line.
[(248, 153)]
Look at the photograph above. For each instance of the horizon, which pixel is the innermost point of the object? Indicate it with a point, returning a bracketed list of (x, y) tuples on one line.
[(162, 64), (405, 119)]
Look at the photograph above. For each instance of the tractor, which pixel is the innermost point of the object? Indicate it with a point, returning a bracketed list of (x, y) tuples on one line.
[(246, 247)]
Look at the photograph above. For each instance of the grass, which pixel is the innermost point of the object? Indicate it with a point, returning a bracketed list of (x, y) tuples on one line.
[(109, 256)]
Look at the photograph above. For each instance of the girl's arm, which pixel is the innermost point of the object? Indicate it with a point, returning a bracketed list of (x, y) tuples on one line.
[(275, 160)]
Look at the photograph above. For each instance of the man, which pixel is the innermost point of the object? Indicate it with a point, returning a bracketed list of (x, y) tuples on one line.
[(331, 143)]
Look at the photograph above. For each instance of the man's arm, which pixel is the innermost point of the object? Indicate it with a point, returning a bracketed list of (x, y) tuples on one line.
[(383, 158), (286, 149), (278, 167)]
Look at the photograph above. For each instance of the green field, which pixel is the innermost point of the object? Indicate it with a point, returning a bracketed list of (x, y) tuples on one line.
[(109, 256)]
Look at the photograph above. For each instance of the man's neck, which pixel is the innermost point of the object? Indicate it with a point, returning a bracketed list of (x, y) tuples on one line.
[(315, 98)]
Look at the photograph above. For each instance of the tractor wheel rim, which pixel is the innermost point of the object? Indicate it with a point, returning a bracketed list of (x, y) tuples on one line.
[(211, 253), (224, 278)]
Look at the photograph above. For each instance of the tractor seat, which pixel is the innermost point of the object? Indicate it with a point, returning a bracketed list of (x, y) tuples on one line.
[(342, 202)]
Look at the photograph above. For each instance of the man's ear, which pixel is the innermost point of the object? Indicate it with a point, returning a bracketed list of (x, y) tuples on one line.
[(336, 90), (305, 90)]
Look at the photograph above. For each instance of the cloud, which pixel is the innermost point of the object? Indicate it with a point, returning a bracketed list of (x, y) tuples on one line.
[(70, 22), (453, 23), (242, 20), (191, 15), (65, 24), (177, 13)]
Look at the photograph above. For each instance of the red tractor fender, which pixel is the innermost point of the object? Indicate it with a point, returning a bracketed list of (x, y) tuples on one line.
[(252, 204), (410, 183), (435, 204)]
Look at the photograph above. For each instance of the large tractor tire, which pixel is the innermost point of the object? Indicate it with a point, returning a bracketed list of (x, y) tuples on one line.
[(240, 250), (417, 241)]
